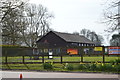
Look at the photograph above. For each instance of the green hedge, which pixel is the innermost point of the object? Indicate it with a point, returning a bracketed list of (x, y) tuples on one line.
[(15, 50), (13, 46)]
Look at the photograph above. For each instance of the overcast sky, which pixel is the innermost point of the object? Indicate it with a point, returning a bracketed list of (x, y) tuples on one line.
[(74, 15)]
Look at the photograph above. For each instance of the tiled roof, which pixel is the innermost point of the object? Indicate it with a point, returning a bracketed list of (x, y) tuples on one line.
[(73, 37)]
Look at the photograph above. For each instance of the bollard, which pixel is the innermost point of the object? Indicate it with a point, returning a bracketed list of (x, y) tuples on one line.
[(20, 76)]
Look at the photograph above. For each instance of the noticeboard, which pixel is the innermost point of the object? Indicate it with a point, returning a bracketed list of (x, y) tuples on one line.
[(72, 51), (114, 50), (98, 49)]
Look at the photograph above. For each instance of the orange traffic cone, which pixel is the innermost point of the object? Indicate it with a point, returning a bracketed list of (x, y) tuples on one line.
[(20, 76)]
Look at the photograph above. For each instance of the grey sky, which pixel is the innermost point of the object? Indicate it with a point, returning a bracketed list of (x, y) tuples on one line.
[(74, 15)]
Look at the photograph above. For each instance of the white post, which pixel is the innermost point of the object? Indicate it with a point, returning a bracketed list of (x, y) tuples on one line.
[(50, 55)]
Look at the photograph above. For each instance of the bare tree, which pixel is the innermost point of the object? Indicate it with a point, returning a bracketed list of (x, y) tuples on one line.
[(10, 21), (23, 24), (85, 32), (7, 6), (76, 33), (97, 39), (112, 19), (38, 20), (112, 16)]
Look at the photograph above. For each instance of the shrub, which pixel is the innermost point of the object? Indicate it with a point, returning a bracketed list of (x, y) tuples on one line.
[(109, 67), (81, 66), (105, 67), (69, 66), (93, 67), (117, 61), (13, 46), (101, 67), (113, 62), (47, 66), (117, 68), (87, 66)]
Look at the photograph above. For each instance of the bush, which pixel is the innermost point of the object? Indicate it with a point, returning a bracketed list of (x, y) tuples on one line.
[(81, 66), (105, 67), (117, 61), (93, 67), (13, 46), (102, 67), (87, 66), (69, 66), (47, 66), (109, 67), (113, 62), (117, 68)]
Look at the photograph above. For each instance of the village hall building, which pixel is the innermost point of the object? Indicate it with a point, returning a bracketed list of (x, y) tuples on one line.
[(55, 39)]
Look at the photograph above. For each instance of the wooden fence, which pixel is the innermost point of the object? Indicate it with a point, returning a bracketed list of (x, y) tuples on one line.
[(81, 55), (24, 61)]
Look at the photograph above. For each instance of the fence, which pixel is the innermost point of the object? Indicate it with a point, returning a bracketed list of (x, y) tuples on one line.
[(62, 58)]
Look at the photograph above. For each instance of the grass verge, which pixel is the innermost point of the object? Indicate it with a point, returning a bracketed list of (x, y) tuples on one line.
[(74, 67)]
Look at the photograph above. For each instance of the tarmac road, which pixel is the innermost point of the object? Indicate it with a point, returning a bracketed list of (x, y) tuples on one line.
[(25, 74)]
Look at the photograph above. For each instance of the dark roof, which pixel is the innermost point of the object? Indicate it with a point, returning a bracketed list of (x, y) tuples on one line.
[(73, 37)]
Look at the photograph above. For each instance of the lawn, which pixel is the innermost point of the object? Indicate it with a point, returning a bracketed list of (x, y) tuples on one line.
[(74, 67), (65, 58)]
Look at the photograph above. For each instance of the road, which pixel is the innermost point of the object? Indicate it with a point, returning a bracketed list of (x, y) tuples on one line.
[(15, 74)]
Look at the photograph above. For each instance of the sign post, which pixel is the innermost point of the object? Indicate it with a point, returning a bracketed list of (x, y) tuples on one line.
[(103, 53)]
